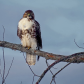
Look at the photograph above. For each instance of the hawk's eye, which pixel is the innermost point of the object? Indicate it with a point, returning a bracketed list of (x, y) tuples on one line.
[(28, 14)]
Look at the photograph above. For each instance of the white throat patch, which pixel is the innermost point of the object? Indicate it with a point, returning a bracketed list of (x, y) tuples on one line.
[(25, 24)]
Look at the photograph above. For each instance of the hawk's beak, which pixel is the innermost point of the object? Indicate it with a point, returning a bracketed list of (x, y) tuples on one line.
[(30, 16)]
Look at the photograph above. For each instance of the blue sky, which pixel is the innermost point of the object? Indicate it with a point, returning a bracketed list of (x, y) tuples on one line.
[(61, 22)]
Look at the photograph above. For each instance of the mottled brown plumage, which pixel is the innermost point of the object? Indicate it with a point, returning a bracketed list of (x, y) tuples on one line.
[(29, 33)]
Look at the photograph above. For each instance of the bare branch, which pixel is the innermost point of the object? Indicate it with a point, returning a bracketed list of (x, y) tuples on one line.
[(9, 69), (77, 44), (31, 70), (0, 69), (45, 71), (79, 56), (61, 69), (30, 67), (4, 77), (53, 77), (48, 66), (3, 32), (51, 71), (3, 68), (3, 59), (33, 79)]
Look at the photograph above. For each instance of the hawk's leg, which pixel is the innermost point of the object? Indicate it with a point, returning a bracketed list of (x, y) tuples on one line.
[(28, 47)]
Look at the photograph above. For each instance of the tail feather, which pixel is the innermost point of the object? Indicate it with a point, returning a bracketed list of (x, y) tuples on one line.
[(30, 59), (38, 58)]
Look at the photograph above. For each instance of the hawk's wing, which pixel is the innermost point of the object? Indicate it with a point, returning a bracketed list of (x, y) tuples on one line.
[(38, 35), (19, 32)]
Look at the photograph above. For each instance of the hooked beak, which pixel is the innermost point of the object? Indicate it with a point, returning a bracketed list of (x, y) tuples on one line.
[(30, 16)]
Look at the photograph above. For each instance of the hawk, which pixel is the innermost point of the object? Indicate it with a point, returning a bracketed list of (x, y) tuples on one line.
[(30, 35)]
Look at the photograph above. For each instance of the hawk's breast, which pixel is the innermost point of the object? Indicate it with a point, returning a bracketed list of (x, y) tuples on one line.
[(25, 24), (27, 27)]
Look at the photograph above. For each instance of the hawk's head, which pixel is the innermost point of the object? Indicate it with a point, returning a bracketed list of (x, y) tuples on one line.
[(28, 14)]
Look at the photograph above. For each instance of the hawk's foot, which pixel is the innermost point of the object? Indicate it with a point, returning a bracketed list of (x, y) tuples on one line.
[(29, 47)]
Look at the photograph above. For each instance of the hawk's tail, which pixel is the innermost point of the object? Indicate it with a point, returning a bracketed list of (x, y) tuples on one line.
[(30, 59)]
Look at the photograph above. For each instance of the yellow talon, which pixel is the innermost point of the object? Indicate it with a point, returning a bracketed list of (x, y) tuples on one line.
[(29, 47)]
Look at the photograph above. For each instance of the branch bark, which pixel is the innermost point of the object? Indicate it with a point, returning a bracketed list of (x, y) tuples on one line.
[(77, 57)]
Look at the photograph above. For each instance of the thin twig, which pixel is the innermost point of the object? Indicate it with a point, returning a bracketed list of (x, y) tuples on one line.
[(3, 32), (3, 68), (31, 70), (3, 59), (33, 79), (48, 66), (77, 44), (30, 67), (61, 69), (4, 77), (9, 68), (51, 72), (0, 69), (53, 77)]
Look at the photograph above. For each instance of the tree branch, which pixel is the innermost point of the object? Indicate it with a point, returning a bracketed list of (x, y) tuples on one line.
[(74, 58), (53, 77), (79, 57), (50, 66)]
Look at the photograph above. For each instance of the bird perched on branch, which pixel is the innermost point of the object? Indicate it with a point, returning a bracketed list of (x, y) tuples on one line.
[(29, 33)]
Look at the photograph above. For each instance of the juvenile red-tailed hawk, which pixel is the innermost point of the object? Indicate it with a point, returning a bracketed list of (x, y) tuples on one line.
[(29, 33)]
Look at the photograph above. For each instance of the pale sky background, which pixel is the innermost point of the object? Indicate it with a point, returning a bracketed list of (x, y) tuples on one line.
[(61, 22)]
